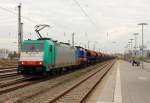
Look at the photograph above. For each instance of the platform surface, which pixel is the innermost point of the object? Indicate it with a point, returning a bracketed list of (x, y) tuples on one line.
[(123, 84)]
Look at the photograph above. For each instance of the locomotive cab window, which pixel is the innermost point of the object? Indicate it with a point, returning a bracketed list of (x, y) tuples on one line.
[(32, 47)]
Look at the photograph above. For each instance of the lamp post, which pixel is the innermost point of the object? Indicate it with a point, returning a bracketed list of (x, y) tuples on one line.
[(135, 46), (131, 46), (142, 24), (129, 43)]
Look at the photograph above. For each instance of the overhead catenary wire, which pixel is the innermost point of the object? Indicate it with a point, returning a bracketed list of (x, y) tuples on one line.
[(83, 11), (10, 11), (7, 19), (5, 9), (15, 13), (35, 22), (16, 1), (26, 18), (23, 17)]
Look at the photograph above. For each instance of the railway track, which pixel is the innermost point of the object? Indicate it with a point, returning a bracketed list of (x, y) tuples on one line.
[(53, 83), (78, 92), (7, 67), (11, 85), (7, 83), (10, 78), (55, 92), (15, 84), (8, 74), (8, 70)]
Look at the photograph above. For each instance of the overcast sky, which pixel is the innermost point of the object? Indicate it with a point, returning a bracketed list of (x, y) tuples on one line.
[(118, 18)]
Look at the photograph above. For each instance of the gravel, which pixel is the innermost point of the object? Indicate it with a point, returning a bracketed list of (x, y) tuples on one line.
[(32, 93)]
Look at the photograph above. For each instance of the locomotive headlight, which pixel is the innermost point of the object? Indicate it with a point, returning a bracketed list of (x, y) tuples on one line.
[(22, 62), (40, 63)]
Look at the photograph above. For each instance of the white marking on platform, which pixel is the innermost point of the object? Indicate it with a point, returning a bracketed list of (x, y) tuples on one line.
[(117, 93)]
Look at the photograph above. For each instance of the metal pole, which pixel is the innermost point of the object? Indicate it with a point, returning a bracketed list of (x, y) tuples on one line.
[(135, 42), (135, 46), (142, 24), (129, 43), (142, 48), (19, 28), (73, 39), (88, 44), (131, 47), (21, 33)]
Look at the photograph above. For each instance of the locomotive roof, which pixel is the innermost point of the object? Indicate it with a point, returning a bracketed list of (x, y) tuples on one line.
[(79, 47), (39, 41), (44, 39)]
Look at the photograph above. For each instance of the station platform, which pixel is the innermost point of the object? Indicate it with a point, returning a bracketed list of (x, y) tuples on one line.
[(123, 84)]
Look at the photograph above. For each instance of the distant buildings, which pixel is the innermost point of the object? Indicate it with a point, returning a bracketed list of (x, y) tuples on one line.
[(4, 53), (137, 54)]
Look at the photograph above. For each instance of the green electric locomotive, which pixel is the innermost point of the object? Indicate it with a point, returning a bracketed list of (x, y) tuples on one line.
[(45, 55)]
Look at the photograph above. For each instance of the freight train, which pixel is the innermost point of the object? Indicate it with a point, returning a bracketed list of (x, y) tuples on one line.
[(44, 56)]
